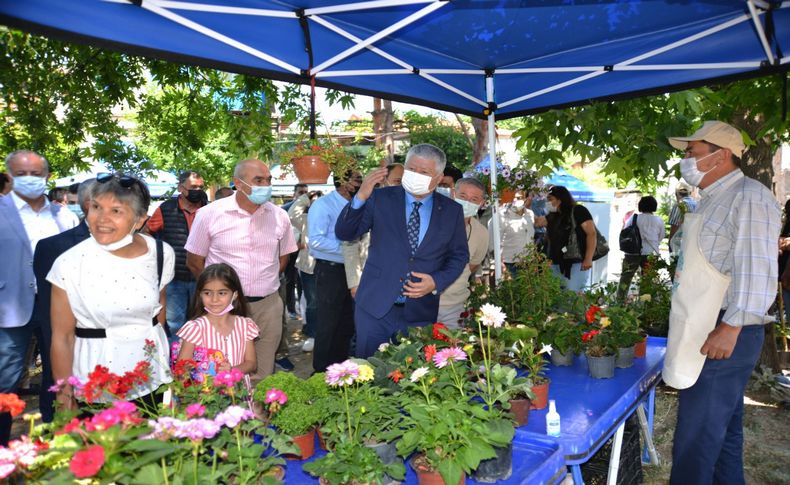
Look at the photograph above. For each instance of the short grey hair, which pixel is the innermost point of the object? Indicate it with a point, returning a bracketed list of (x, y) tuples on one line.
[(137, 196), (238, 170), (83, 193), (473, 182), (18, 153), (430, 152)]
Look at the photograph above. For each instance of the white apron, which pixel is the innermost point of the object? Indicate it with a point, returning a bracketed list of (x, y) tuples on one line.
[(697, 296)]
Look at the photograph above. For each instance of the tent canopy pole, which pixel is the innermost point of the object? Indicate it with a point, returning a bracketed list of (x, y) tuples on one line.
[(494, 188)]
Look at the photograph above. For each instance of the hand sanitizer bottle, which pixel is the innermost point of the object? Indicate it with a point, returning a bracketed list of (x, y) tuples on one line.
[(553, 420)]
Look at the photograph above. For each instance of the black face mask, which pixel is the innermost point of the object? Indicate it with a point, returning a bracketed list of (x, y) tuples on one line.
[(196, 195)]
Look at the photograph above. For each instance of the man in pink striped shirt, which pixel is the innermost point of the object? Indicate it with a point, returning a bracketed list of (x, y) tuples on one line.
[(253, 236)]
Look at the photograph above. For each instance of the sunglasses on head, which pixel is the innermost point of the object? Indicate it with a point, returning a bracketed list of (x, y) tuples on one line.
[(125, 181)]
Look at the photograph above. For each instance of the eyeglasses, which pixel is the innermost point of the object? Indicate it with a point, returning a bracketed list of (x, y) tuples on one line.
[(125, 181)]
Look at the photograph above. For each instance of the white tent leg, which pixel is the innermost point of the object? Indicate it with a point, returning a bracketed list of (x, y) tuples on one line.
[(494, 188)]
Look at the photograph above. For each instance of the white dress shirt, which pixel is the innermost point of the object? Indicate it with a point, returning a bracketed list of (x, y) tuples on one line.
[(43, 224)]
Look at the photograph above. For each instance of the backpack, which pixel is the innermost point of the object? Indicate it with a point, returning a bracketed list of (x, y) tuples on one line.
[(631, 239)]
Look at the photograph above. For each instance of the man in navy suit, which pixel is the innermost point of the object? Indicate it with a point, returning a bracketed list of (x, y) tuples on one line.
[(417, 248), (47, 251)]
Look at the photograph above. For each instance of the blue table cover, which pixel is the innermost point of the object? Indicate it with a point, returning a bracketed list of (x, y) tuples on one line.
[(591, 409), (537, 460)]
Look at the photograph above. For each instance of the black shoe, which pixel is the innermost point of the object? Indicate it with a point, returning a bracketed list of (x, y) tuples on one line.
[(284, 364)]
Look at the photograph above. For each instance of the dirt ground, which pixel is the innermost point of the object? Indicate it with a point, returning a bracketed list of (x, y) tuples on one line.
[(766, 427)]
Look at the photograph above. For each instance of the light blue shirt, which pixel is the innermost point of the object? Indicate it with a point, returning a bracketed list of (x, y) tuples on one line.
[(425, 211), (321, 219)]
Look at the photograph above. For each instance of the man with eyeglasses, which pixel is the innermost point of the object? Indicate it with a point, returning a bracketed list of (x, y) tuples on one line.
[(254, 236), (27, 216), (171, 222)]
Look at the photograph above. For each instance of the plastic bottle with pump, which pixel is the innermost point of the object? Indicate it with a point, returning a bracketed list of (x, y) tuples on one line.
[(553, 420)]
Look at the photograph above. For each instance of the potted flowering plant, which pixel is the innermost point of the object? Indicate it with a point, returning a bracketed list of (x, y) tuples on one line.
[(314, 159), (600, 346), (510, 179), (564, 336), (451, 435), (350, 462), (528, 355), (625, 333)]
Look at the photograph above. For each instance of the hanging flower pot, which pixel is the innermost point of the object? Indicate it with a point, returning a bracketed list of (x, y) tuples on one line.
[(601, 367), (520, 410), (507, 196), (306, 444), (310, 170), (625, 357), (541, 395), (498, 468), (640, 349), (562, 360)]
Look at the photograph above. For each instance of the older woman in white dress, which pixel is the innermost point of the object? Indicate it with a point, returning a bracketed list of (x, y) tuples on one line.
[(108, 295)]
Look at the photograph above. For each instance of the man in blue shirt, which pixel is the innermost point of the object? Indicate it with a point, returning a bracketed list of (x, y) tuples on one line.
[(417, 248), (335, 306)]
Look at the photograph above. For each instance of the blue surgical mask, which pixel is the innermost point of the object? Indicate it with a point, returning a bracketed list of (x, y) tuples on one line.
[(77, 210), (30, 186), (260, 193)]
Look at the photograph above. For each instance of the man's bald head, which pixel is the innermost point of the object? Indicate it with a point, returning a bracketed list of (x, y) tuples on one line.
[(26, 161)]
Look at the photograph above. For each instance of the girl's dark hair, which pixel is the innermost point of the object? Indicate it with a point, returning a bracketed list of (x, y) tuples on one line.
[(228, 276), (564, 196), (647, 204)]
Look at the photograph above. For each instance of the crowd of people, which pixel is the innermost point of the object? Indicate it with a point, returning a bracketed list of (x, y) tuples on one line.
[(99, 282)]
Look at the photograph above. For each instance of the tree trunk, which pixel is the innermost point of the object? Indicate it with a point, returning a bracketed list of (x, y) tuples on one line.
[(480, 147), (382, 128), (389, 137)]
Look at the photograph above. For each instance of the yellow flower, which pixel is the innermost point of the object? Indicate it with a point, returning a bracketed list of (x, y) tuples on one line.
[(365, 373), (32, 416), (646, 297), (362, 410), (468, 348), (605, 322)]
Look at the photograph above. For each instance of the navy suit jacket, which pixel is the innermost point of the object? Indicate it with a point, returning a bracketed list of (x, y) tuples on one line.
[(47, 251), (443, 252)]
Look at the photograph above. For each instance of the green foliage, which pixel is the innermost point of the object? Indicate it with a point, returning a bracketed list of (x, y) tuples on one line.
[(297, 390), (563, 333), (655, 288), (350, 462), (624, 326), (436, 131), (507, 385), (296, 418)]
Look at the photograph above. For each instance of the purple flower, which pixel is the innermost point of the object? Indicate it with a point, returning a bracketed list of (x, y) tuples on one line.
[(197, 429), (486, 170), (232, 416), (444, 356), (342, 374), (519, 175)]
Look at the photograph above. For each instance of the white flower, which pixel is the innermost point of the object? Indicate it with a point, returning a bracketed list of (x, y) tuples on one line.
[(646, 297), (418, 374), (492, 315), (383, 347), (545, 349)]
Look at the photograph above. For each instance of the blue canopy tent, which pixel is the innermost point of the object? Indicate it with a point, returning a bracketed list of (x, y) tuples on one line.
[(484, 58), (581, 191)]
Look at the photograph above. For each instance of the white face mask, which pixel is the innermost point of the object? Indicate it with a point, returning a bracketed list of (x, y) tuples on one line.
[(470, 208), (446, 191), (121, 243), (551, 207), (518, 204), (690, 172), (416, 183)]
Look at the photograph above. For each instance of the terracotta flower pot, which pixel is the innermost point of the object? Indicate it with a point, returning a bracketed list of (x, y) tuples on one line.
[(306, 443), (507, 196), (428, 476), (520, 410), (541, 395), (310, 170), (640, 349)]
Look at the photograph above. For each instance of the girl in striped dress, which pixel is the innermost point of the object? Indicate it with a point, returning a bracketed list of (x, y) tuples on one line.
[(219, 320)]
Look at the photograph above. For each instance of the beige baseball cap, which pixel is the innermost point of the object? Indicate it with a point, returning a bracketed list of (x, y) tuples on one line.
[(716, 132)]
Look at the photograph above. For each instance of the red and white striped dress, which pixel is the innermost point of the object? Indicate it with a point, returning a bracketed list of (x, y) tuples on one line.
[(202, 333)]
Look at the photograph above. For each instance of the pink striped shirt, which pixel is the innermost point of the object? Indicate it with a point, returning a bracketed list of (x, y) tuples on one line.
[(202, 333), (251, 244)]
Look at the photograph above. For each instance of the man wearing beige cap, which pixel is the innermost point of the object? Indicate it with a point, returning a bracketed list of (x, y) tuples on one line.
[(725, 282)]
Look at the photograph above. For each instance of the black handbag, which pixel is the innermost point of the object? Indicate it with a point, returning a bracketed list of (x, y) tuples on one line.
[(573, 249)]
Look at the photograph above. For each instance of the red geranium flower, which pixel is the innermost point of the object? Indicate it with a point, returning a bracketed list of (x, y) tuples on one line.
[(587, 336), (88, 462), (592, 312), (430, 351), (437, 332), (10, 403)]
